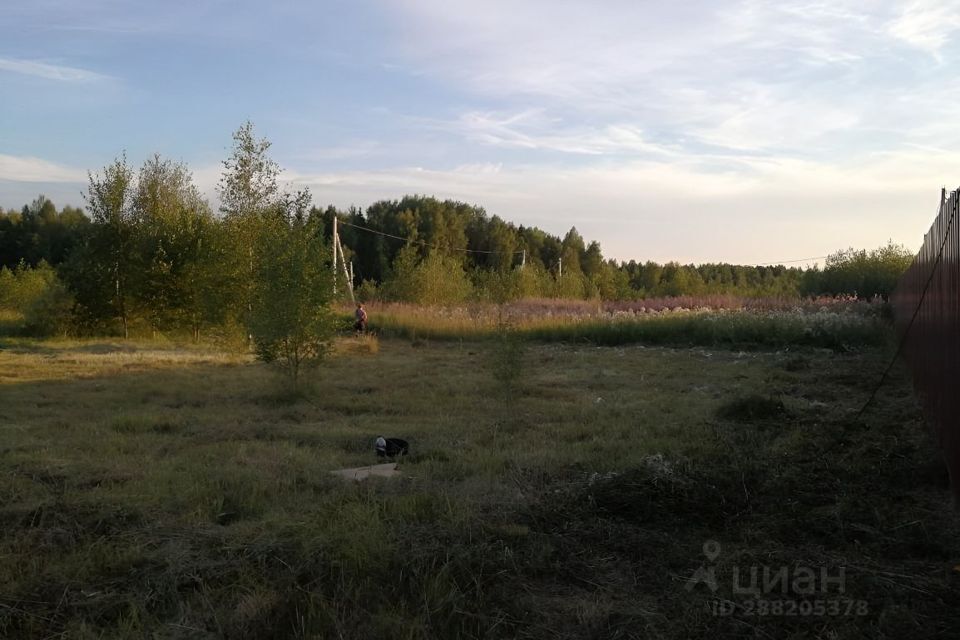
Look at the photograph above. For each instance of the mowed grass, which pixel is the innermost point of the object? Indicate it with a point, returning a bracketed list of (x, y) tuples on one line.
[(162, 491)]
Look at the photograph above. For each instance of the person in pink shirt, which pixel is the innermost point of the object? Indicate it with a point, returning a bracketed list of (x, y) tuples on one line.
[(361, 315)]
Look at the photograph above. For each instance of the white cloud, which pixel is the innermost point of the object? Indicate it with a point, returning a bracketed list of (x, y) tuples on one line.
[(927, 24), (532, 129), (29, 169), (781, 78), (608, 52), (49, 71), (762, 117)]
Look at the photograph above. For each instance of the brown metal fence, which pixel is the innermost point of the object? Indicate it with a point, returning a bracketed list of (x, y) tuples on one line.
[(926, 308)]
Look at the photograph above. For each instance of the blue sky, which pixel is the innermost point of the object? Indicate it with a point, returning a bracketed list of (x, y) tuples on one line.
[(700, 131)]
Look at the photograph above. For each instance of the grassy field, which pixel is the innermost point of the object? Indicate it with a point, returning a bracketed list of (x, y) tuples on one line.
[(155, 490), (833, 324)]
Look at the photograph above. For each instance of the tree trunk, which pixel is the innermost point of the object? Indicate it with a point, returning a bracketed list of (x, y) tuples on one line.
[(122, 307)]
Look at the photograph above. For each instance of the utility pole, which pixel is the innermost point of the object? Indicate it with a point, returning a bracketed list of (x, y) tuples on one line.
[(560, 270), (341, 262), (346, 276), (335, 243)]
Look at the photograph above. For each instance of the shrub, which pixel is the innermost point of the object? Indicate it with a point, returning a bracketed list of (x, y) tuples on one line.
[(36, 299), (864, 273), (8, 283), (368, 291), (49, 312)]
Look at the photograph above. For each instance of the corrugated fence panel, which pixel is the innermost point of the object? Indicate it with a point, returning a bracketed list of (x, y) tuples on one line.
[(928, 295)]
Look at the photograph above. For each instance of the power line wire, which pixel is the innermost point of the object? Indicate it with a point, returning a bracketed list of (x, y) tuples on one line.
[(487, 251), (763, 264)]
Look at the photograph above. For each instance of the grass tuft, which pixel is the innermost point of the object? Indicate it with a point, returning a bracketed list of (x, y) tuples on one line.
[(752, 408)]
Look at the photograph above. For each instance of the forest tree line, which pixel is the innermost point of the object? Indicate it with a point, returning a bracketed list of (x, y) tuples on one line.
[(149, 249)]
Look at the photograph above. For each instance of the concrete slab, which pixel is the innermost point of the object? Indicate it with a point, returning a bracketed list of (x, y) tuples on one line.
[(388, 470)]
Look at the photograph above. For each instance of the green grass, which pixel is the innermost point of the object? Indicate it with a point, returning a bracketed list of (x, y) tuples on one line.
[(159, 490)]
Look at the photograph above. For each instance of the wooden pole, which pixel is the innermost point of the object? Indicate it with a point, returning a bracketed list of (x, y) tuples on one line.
[(343, 263), (335, 243)]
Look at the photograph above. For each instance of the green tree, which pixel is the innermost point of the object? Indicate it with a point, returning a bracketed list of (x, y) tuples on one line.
[(679, 280), (648, 280), (440, 279), (249, 196), (249, 184), (535, 281), (572, 284), (863, 273), (434, 280), (209, 288), (572, 249), (401, 282), (172, 220), (110, 257), (592, 261), (290, 319), (614, 282)]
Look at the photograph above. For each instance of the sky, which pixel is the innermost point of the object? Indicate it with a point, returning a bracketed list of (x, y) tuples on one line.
[(738, 131)]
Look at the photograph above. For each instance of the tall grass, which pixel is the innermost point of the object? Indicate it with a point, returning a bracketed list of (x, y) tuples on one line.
[(836, 325), (770, 329)]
